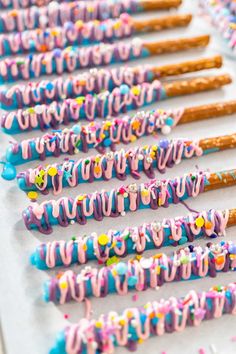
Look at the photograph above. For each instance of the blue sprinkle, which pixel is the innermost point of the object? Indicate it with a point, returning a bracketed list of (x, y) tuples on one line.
[(124, 89), (169, 121), (49, 86), (76, 129), (107, 142), (121, 268)]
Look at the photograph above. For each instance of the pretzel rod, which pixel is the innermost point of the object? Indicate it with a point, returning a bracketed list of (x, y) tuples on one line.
[(106, 104), (73, 58), (107, 134), (118, 201), (137, 324), (191, 263), (95, 81), (208, 111), (85, 33), (57, 14), (147, 159)]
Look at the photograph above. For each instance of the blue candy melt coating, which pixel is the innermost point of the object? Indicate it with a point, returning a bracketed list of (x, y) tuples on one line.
[(9, 171)]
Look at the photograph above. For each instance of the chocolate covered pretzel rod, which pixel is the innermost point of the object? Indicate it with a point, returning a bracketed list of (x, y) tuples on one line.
[(106, 104), (95, 81), (118, 201), (72, 173), (109, 246), (57, 14), (137, 324), (73, 58), (107, 134), (84, 33), (141, 273)]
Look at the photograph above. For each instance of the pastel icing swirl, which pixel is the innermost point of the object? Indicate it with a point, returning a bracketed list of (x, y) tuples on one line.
[(152, 194), (139, 323), (79, 33), (71, 173), (142, 273), (118, 243), (98, 135), (70, 59), (57, 14), (89, 107), (92, 81)]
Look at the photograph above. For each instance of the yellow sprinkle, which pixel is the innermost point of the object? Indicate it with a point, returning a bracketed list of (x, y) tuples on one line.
[(133, 138), (154, 148), (145, 193), (117, 25), (80, 198), (42, 173), (85, 247), (97, 159), (122, 322), (79, 24), (103, 239), (129, 314), (32, 195), (52, 171), (160, 315), (199, 221), (135, 90), (140, 341), (152, 155), (63, 285), (98, 324)]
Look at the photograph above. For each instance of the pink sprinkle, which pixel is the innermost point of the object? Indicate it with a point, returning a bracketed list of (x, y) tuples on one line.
[(66, 316), (135, 297), (233, 339), (202, 351)]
